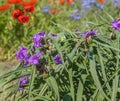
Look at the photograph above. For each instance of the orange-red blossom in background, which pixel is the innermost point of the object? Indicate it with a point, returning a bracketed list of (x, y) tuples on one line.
[(101, 1), (68, 1), (14, 1), (4, 7), (18, 13)]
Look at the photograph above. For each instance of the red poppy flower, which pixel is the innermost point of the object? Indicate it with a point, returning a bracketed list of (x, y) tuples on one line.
[(16, 13), (29, 8), (101, 1), (23, 19), (30, 3), (53, 11), (4, 7), (62, 1), (69, 1), (14, 1)]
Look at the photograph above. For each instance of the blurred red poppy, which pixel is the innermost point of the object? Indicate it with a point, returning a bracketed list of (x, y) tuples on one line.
[(101, 1), (62, 1), (53, 11), (23, 19), (4, 7), (69, 1), (30, 3), (14, 1), (29, 8), (16, 13)]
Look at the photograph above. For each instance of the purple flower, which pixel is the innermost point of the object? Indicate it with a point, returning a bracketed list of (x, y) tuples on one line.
[(34, 59), (20, 89), (75, 15), (76, 30), (26, 61), (38, 38), (88, 33), (89, 4), (23, 81), (116, 3), (57, 59), (22, 53), (71, 16), (46, 9), (116, 24), (54, 35)]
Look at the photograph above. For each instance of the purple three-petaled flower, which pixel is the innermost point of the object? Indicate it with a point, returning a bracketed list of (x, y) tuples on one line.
[(116, 24), (57, 59)]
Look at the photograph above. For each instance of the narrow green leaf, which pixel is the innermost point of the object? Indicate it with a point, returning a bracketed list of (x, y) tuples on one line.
[(51, 81), (31, 83), (71, 85), (79, 92)]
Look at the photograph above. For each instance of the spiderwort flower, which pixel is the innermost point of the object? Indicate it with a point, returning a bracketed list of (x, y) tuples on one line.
[(101, 6), (54, 35), (57, 59), (89, 33), (116, 24), (46, 9), (38, 38), (71, 16), (23, 81), (26, 61), (34, 59), (22, 53), (75, 15), (116, 3), (86, 4)]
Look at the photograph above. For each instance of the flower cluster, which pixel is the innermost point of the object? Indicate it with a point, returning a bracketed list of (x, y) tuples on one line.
[(38, 39), (68, 1), (26, 58), (75, 15), (4, 7), (34, 55), (88, 4), (20, 14), (51, 10), (116, 3), (38, 42), (48, 10)]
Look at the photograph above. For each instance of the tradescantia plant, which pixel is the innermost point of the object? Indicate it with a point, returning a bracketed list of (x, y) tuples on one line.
[(69, 66)]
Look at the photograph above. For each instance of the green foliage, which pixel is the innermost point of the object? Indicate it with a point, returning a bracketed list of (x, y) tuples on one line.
[(89, 72)]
